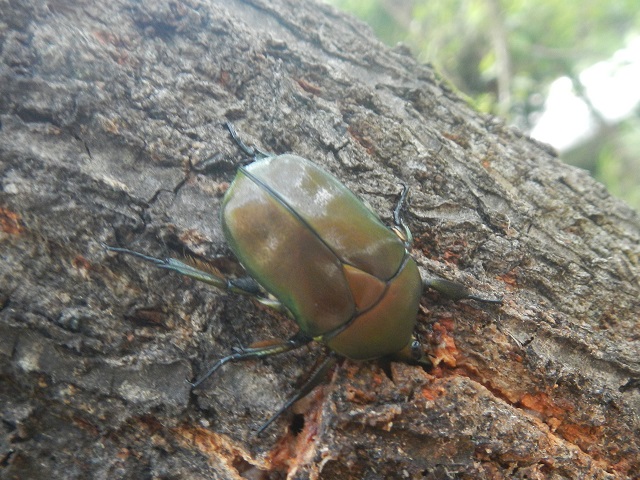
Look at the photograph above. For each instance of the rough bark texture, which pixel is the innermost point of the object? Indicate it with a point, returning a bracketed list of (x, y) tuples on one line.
[(106, 106)]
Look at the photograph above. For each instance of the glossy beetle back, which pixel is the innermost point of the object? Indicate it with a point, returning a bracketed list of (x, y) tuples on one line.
[(315, 246), (386, 328), (351, 230)]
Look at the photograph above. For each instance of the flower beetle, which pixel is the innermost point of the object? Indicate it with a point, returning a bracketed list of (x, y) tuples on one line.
[(347, 280)]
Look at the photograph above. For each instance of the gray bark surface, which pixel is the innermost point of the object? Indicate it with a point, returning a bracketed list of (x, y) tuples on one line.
[(105, 107)]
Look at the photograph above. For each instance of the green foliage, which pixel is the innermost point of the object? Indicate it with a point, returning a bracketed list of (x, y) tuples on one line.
[(505, 53), (544, 39), (617, 163)]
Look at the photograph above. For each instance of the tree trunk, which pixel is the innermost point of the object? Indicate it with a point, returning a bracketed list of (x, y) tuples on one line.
[(111, 131)]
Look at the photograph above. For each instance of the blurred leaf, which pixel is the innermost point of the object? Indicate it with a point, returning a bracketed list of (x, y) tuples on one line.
[(504, 54)]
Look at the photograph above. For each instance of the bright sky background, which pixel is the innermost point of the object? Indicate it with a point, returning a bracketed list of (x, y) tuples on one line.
[(613, 87)]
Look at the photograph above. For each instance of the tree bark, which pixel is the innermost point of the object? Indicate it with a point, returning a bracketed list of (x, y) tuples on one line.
[(111, 132)]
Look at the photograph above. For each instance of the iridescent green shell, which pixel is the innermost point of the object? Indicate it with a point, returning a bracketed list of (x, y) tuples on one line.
[(345, 277)]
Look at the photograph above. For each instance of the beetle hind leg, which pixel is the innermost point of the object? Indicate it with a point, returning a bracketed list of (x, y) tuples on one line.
[(313, 379), (204, 272), (297, 341)]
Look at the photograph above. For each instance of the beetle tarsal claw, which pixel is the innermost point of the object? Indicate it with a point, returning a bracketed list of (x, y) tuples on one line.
[(477, 298)]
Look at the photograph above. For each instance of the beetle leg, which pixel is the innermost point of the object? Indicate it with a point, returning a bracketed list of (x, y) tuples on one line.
[(314, 378), (297, 341), (254, 152), (449, 289), (241, 286), (455, 290), (400, 228)]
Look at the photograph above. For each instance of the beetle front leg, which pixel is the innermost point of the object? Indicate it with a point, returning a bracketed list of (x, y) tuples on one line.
[(455, 290), (297, 341)]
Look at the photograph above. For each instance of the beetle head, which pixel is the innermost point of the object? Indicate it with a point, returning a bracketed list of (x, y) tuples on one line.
[(413, 354)]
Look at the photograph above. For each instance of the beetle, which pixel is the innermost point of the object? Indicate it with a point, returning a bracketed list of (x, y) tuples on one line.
[(324, 257)]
